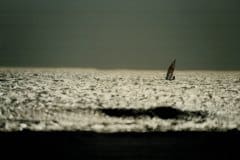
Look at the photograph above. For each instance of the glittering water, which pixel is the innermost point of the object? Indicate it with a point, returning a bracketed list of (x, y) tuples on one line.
[(118, 100)]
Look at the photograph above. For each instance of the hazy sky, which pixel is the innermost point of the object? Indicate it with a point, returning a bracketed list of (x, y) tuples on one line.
[(143, 34)]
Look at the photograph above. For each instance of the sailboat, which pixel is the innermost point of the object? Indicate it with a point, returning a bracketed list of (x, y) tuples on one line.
[(170, 71)]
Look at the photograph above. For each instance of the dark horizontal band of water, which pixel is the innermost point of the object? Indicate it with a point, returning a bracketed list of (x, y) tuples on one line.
[(164, 112), (90, 145)]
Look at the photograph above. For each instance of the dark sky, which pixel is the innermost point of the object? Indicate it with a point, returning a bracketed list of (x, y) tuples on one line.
[(133, 34)]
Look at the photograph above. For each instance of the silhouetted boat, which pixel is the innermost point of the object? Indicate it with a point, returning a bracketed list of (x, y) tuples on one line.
[(170, 71)]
